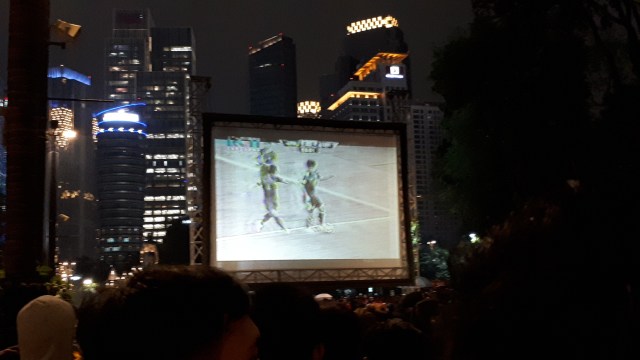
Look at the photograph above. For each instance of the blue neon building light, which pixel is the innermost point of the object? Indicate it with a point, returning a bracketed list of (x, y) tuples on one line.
[(119, 108), (64, 72)]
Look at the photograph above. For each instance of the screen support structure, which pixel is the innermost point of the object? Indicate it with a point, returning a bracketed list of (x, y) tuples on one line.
[(198, 87)]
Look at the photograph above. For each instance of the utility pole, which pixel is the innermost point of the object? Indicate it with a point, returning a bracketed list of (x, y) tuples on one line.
[(25, 136)]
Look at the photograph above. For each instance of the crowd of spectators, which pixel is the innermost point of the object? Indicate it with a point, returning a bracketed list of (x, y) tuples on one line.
[(185, 312)]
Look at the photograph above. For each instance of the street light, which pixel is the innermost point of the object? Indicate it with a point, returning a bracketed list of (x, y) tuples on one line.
[(59, 133), (58, 136)]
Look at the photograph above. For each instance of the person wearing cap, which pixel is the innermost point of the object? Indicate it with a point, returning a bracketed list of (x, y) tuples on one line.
[(46, 331), (323, 297)]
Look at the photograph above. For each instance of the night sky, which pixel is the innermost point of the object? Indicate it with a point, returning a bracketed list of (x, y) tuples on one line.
[(224, 30)]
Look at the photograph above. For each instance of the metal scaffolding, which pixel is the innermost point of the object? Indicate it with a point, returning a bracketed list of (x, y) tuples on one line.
[(198, 87)]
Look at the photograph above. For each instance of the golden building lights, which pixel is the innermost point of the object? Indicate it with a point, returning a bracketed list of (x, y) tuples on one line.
[(383, 58), (64, 130), (373, 23), (309, 109), (94, 129), (356, 95)]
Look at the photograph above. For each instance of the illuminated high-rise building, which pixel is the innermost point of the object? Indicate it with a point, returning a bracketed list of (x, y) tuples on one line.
[(166, 95), (377, 92), (372, 83), (127, 53), (273, 78), (173, 50), (364, 39), (74, 151), (121, 181), (436, 222), (154, 65), (368, 37)]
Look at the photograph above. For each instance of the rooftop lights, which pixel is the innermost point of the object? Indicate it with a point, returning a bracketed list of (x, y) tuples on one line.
[(121, 116), (308, 108), (373, 23), (265, 43)]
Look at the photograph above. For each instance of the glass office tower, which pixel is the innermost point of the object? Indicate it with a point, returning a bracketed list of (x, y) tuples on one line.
[(154, 65), (165, 180), (272, 77), (121, 181), (74, 149)]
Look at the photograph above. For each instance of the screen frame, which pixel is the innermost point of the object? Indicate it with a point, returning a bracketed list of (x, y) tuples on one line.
[(403, 274)]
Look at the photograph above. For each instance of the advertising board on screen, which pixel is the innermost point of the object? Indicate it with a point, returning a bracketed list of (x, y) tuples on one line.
[(306, 200)]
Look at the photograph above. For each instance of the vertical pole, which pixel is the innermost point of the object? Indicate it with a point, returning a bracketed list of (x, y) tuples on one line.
[(25, 135), (51, 243)]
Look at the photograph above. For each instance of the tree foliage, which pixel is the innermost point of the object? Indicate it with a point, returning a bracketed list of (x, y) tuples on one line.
[(542, 117), (516, 108), (434, 263)]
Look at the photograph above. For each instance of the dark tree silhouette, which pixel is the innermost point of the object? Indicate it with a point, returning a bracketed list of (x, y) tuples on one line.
[(516, 105), (542, 116)]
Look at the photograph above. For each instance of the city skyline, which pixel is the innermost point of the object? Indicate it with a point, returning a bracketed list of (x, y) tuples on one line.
[(102, 90), (223, 33)]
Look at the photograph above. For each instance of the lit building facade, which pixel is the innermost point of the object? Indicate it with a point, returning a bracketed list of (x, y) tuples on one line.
[(364, 39), (273, 77), (436, 222), (373, 93), (74, 151), (173, 50), (121, 181), (165, 94), (127, 53), (372, 83), (154, 65)]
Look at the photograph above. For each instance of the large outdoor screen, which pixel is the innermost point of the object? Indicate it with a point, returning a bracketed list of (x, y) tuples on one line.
[(306, 200)]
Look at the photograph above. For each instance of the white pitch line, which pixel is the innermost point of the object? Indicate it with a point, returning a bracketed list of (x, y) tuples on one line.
[(232, 162), (297, 228)]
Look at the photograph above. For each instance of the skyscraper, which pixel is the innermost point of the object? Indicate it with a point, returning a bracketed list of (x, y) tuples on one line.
[(166, 90), (368, 37), (75, 187), (436, 222), (364, 39), (154, 65), (377, 92), (377, 88), (272, 77), (166, 94), (121, 182), (127, 53), (173, 50)]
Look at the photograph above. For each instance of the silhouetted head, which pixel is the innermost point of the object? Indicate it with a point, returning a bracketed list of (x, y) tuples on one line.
[(176, 312), (46, 328)]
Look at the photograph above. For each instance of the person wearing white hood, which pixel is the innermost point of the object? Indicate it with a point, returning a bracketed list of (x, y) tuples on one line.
[(46, 329)]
